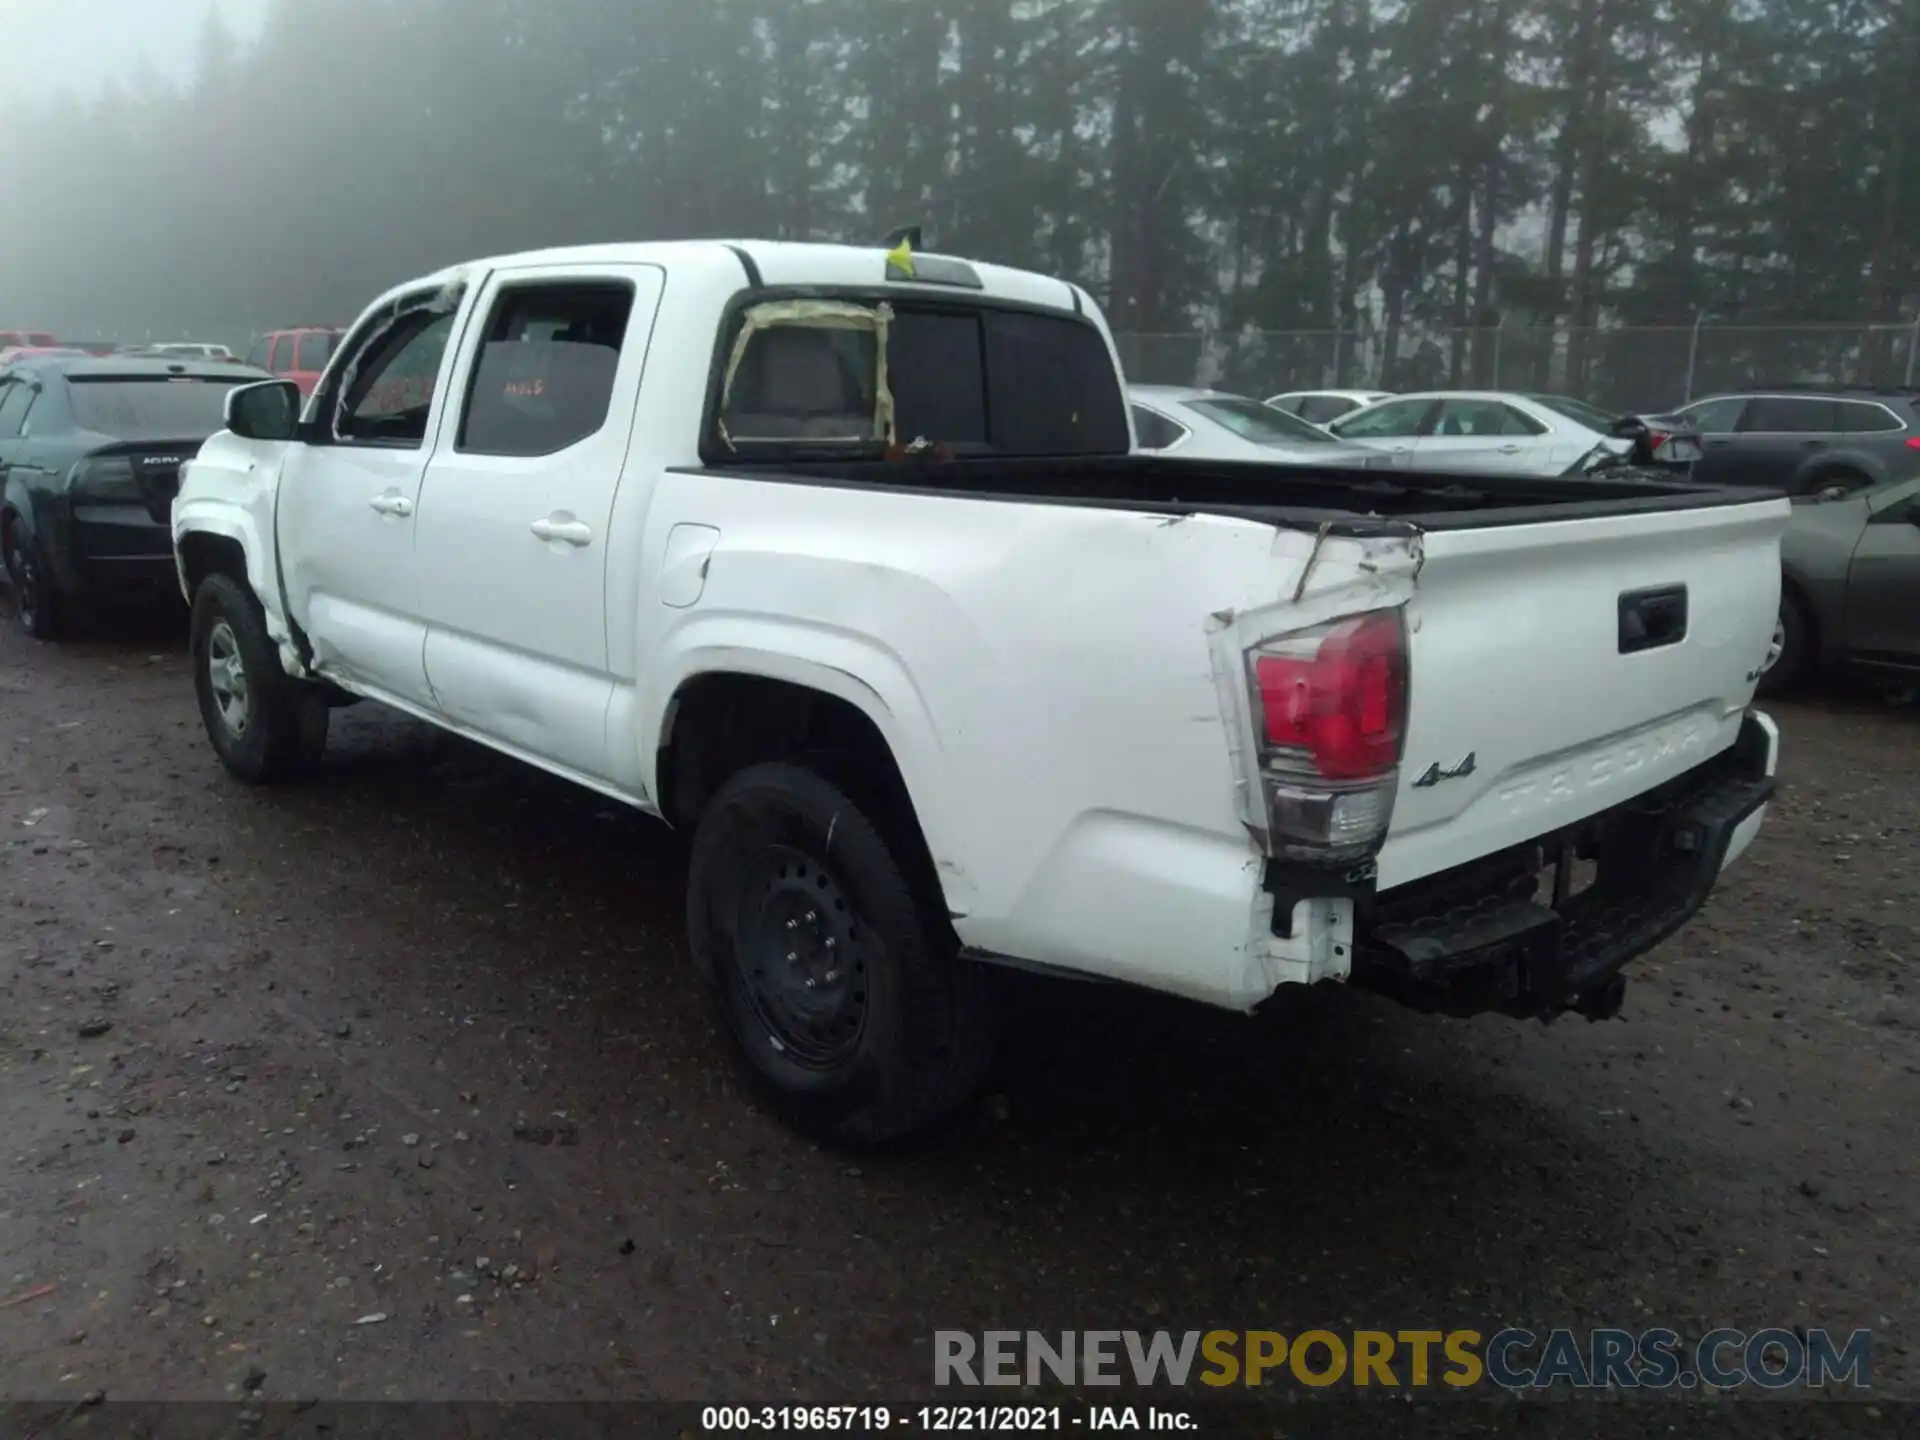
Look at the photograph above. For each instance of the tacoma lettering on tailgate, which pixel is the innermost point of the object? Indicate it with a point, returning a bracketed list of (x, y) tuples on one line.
[(1616, 766)]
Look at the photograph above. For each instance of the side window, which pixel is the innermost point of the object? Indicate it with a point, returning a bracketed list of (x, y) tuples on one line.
[(1398, 419), (280, 349), (1460, 418), (1715, 417), (1862, 417), (1513, 422), (15, 397), (1293, 404), (314, 348), (392, 390), (1788, 415), (1325, 409), (544, 376), (1156, 431)]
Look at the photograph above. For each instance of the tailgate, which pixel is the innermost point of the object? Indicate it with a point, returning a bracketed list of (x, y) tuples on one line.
[(1559, 669)]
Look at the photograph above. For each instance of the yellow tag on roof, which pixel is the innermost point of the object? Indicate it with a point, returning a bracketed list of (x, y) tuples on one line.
[(901, 258)]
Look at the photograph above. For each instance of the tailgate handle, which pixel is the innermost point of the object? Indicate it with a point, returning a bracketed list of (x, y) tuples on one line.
[(1652, 618)]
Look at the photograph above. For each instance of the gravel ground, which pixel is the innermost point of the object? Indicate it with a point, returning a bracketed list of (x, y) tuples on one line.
[(398, 1085)]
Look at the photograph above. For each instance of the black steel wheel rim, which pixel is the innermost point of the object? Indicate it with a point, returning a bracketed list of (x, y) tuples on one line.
[(801, 951)]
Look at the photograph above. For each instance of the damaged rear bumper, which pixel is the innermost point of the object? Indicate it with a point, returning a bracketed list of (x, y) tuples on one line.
[(1547, 927)]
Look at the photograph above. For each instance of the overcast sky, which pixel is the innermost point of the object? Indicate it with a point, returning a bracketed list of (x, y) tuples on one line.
[(84, 43)]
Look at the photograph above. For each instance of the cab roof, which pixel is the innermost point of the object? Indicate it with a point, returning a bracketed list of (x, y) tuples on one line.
[(778, 263)]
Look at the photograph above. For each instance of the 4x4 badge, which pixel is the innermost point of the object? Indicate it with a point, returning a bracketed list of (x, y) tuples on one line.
[(1434, 774)]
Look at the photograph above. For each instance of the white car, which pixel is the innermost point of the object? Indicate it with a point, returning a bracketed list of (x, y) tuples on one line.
[(848, 566), (1214, 425), (1485, 431), (1323, 406)]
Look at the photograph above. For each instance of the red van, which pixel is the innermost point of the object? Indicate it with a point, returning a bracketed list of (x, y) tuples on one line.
[(298, 354), (26, 339)]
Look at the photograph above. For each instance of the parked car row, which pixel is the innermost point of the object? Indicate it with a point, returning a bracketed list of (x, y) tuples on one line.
[(1849, 458)]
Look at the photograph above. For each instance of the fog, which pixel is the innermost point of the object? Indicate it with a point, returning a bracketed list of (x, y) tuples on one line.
[(186, 170)]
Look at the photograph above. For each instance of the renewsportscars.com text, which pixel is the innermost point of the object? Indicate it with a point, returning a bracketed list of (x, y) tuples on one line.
[(1773, 1358)]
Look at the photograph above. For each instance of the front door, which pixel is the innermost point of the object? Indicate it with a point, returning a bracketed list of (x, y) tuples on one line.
[(512, 533), (1393, 427), (347, 511), (1883, 585)]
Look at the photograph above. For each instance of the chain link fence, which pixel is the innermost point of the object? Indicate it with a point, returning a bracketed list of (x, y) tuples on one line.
[(1649, 367)]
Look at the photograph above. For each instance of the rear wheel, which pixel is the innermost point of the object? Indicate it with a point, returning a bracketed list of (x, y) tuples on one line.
[(1791, 651), (264, 725), (35, 598), (845, 994)]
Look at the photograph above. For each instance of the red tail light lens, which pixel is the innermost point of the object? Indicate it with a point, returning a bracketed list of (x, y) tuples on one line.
[(1337, 698), (1655, 439), (1913, 442)]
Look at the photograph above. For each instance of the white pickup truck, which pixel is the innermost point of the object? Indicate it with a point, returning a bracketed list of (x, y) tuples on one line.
[(847, 565)]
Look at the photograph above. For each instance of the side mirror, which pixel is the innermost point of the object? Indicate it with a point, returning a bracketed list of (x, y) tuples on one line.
[(269, 410)]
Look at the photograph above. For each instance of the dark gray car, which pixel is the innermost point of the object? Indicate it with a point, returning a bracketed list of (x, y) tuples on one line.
[(1805, 441), (1850, 586)]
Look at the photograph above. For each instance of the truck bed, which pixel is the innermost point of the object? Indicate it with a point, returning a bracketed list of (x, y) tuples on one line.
[(1349, 502)]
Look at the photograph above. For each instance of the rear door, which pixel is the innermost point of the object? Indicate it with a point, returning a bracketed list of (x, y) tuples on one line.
[(1718, 421), (1779, 434), (512, 542), (1562, 667), (1482, 436)]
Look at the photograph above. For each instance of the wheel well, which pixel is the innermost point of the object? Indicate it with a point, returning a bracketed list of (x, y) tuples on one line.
[(720, 724), (204, 555)]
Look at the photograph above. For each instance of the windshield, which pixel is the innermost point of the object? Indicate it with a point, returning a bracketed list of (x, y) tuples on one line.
[(1578, 410), (1262, 424), (162, 407)]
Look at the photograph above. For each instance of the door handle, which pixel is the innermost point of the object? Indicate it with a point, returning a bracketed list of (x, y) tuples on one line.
[(1509, 449), (392, 503), (563, 527)]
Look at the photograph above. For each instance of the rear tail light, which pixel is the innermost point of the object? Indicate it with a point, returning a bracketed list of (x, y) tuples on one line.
[(106, 481), (1913, 442), (1330, 710), (1655, 439)]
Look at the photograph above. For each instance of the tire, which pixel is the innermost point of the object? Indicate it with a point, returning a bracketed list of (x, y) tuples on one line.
[(1793, 648), (844, 992), (36, 598), (264, 725)]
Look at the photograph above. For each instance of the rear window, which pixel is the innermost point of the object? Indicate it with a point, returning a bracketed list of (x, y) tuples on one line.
[(137, 408), (314, 352), (1262, 424), (981, 381), (1864, 417)]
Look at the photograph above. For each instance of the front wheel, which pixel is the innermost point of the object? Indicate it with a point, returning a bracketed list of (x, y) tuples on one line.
[(264, 725), (846, 995)]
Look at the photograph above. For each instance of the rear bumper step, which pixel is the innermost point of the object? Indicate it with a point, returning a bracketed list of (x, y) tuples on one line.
[(1516, 933)]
